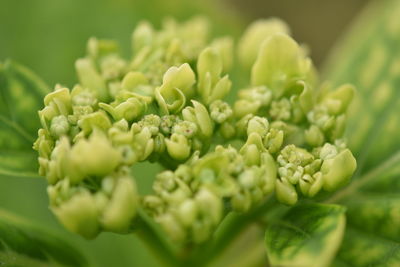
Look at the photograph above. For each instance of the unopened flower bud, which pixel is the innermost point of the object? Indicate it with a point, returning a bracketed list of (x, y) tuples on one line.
[(337, 170), (91, 79), (178, 146), (199, 115), (253, 37), (285, 192)]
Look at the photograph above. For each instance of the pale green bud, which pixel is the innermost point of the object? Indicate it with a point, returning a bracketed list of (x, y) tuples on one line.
[(328, 151), (306, 100), (273, 140), (153, 204), (91, 79), (280, 59), (220, 90), (117, 215), (56, 103), (244, 107), (152, 122), (199, 115), (241, 125), (58, 166), (250, 43), (285, 192), (99, 48), (175, 54), (129, 110), (83, 97), (209, 204), (178, 147), (79, 214), (184, 172), (172, 227), (268, 177), (295, 155), (167, 123), (338, 128), (187, 212), (338, 100), (220, 111), (133, 79), (44, 144), (213, 163), (258, 125), (314, 137), (143, 143), (164, 181), (320, 117), (186, 128), (97, 153), (338, 170), (248, 179), (241, 202), (159, 144), (169, 99), (252, 150), (182, 78), (209, 68), (259, 94), (227, 130), (281, 110), (112, 67), (142, 36), (224, 46), (177, 196), (59, 126), (311, 185), (96, 120)]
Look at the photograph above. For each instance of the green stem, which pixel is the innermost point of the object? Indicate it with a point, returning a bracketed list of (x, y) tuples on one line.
[(155, 242), (230, 231)]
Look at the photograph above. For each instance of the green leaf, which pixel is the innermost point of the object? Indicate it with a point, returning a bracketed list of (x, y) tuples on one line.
[(21, 96), (373, 223), (22, 244), (308, 235), (369, 57)]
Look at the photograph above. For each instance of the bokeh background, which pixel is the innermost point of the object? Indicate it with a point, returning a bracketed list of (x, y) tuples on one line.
[(48, 36)]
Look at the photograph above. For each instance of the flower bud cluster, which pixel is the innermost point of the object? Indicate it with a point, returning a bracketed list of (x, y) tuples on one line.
[(191, 201), (282, 135)]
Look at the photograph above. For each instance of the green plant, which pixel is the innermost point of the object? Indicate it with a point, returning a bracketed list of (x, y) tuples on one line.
[(270, 159)]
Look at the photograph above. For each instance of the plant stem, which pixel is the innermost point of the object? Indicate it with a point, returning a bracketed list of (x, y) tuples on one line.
[(237, 223), (155, 241)]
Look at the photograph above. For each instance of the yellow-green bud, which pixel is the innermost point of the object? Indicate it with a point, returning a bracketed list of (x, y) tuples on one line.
[(178, 147), (79, 214), (250, 43), (97, 153), (199, 115), (285, 192), (91, 79), (117, 215), (337, 170)]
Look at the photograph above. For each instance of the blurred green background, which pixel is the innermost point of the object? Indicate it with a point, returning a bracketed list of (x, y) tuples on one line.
[(48, 35)]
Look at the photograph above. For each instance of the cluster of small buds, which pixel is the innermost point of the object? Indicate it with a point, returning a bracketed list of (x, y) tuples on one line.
[(282, 135), (191, 201)]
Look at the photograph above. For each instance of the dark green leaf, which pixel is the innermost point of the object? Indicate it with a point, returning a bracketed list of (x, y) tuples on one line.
[(369, 57), (308, 235), (23, 245), (21, 96)]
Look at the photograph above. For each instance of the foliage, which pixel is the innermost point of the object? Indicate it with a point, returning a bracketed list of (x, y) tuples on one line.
[(229, 165)]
